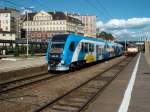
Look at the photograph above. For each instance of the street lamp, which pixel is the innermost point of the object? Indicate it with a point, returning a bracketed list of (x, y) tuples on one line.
[(26, 11)]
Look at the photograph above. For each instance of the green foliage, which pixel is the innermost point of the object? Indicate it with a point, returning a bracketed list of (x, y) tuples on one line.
[(31, 50), (16, 50), (106, 36)]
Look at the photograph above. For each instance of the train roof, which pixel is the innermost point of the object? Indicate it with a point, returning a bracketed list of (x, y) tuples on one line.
[(63, 37), (87, 38)]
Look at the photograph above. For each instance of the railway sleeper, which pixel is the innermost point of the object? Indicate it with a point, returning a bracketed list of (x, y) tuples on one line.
[(115, 70), (95, 85), (105, 79), (72, 101), (73, 104), (68, 104), (64, 107), (108, 76), (92, 88), (79, 100), (86, 91), (83, 95)]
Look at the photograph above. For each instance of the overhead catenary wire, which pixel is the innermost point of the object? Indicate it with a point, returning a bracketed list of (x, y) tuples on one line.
[(104, 8), (17, 5), (100, 12), (12, 3)]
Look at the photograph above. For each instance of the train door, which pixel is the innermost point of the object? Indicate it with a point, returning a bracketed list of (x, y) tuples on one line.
[(97, 53)]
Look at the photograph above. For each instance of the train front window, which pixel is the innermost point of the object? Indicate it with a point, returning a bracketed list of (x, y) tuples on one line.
[(58, 45), (60, 38)]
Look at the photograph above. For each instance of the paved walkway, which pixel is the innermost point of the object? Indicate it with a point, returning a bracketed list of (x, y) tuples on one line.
[(117, 94), (140, 98), (147, 55)]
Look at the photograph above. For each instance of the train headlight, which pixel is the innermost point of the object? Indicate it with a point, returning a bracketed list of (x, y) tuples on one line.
[(62, 62)]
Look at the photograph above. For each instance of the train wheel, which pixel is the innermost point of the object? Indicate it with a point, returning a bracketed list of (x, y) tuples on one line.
[(72, 67)]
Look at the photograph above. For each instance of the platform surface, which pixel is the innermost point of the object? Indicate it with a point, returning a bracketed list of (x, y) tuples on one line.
[(10, 64), (113, 97)]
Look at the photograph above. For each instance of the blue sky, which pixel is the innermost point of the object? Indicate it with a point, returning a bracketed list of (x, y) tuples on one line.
[(127, 19)]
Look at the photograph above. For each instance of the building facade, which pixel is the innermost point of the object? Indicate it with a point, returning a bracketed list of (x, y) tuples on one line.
[(89, 22), (42, 25), (9, 19), (6, 35)]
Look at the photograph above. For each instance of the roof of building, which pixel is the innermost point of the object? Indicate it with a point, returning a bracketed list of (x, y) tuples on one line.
[(56, 16), (8, 10)]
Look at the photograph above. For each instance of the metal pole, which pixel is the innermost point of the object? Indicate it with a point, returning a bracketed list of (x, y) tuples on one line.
[(27, 36), (125, 46)]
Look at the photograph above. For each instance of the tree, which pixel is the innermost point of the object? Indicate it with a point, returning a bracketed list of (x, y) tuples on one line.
[(106, 36)]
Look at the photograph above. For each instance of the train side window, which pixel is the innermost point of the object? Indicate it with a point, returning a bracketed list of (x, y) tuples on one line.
[(102, 50), (86, 47), (97, 48), (72, 46), (82, 47), (91, 47)]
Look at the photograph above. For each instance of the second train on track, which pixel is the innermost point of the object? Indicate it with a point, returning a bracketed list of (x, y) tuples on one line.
[(69, 51)]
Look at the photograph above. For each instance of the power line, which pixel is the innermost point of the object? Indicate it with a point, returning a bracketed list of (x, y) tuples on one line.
[(40, 4), (102, 6), (12, 3), (97, 9), (17, 5)]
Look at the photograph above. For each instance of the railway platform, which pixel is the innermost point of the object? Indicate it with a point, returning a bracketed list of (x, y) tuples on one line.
[(13, 67), (129, 92)]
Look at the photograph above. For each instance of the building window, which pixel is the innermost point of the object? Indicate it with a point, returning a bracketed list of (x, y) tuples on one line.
[(6, 21), (6, 27), (4, 34), (6, 15)]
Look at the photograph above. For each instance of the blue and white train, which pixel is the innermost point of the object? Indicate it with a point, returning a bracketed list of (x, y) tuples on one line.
[(70, 51)]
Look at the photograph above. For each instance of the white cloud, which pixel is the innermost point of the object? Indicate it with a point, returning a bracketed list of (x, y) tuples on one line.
[(122, 23), (130, 29)]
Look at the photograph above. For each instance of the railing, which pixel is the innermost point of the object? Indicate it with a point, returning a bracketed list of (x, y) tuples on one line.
[(17, 47)]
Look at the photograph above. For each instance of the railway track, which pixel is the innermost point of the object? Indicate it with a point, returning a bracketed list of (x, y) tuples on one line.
[(25, 81), (78, 98)]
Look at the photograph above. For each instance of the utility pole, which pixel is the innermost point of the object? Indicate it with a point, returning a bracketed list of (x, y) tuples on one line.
[(27, 36), (27, 9), (125, 46)]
